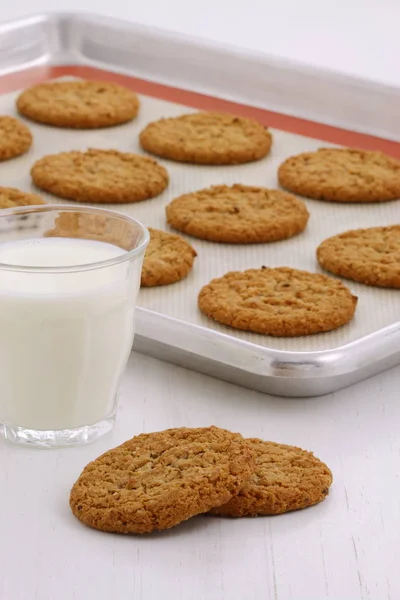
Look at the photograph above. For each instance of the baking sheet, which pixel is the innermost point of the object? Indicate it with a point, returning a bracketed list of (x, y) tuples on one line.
[(376, 308)]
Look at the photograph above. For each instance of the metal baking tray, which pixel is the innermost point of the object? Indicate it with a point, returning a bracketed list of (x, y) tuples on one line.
[(305, 109)]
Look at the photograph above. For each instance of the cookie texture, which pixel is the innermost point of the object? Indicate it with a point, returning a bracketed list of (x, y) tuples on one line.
[(342, 175), (238, 214), (78, 104), (112, 230), (100, 176), (208, 138), (285, 478), (15, 138), (154, 481), (168, 259), (370, 256), (11, 198), (281, 302)]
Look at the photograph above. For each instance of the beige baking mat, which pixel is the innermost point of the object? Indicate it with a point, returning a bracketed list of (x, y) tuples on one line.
[(376, 308)]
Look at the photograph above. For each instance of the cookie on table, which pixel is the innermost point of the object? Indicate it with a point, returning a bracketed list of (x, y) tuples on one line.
[(78, 104), (285, 478), (370, 256), (281, 302), (168, 259), (342, 175), (156, 480), (15, 138), (238, 214), (208, 138), (12, 198), (100, 176)]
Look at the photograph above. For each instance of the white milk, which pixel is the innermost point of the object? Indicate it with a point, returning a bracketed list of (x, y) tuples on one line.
[(64, 337)]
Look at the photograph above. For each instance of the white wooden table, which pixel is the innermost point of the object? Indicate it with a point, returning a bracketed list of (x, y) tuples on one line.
[(343, 549)]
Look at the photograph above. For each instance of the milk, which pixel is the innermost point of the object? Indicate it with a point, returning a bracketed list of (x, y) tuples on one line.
[(64, 337)]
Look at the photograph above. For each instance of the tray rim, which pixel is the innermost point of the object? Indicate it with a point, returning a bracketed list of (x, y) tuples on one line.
[(101, 19), (281, 363), (340, 361), (379, 93)]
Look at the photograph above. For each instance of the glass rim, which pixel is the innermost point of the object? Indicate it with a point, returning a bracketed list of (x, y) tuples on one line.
[(109, 262)]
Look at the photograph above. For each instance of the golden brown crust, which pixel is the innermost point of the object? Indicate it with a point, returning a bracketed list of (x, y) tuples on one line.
[(209, 138), (285, 478), (342, 175), (238, 214), (89, 226), (370, 256), (15, 138), (168, 259), (100, 176), (281, 302), (157, 480), (11, 198), (78, 104)]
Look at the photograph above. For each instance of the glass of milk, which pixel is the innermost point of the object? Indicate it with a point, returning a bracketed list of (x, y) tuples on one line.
[(69, 279)]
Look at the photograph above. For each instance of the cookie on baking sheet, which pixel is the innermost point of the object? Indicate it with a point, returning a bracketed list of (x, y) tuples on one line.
[(100, 176), (285, 478), (78, 104), (208, 138), (12, 198), (15, 138), (156, 480), (342, 175), (168, 259), (281, 302), (370, 256), (88, 226), (238, 214)]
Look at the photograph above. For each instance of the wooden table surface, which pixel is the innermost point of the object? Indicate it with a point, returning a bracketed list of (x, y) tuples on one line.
[(343, 549)]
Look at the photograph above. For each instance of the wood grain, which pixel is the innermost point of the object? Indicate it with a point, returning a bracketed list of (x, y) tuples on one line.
[(342, 549)]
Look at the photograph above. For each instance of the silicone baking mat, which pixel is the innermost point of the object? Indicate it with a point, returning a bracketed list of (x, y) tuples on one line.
[(376, 309)]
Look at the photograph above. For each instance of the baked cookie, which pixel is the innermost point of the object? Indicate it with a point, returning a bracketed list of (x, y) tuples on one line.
[(12, 198), (238, 214), (15, 138), (281, 302), (208, 138), (285, 478), (97, 227), (100, 176), (78, 104), (168, 259), (342, 175), (156, 480), (370, 256)]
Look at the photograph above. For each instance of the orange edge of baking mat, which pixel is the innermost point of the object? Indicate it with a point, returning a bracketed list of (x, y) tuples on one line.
[(334, 135)]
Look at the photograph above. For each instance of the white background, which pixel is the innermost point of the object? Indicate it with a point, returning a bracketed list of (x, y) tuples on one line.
[(344, 549), (359, 37)]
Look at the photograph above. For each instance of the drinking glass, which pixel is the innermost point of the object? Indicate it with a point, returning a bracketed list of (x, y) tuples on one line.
[(69, 279)]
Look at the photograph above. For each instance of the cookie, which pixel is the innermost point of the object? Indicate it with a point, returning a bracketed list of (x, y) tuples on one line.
[(15, 138), (285, 478), (168, 259), (87, 226), (208, 138), (11, 198), (370, 256), (342, 175), (78, 104), (280, 302), (156, 480), (100, 176), (238, 214)]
